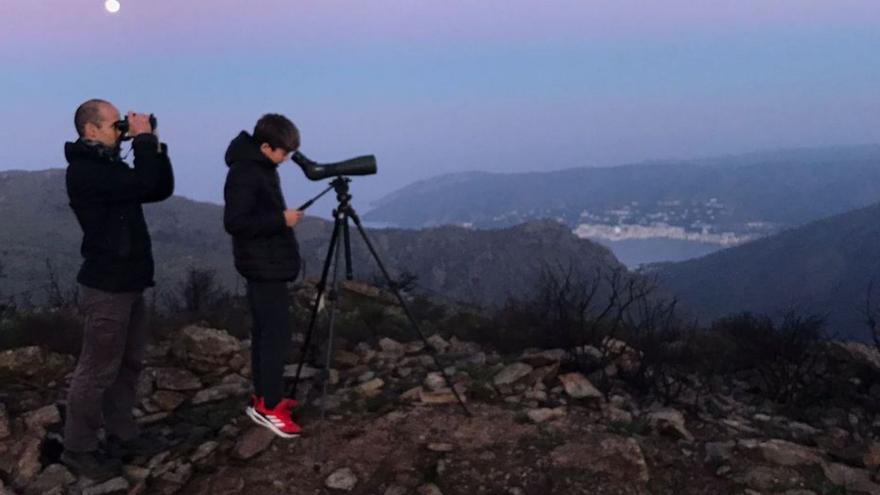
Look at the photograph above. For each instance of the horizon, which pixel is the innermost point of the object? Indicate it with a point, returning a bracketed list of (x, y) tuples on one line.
[(447, 87)]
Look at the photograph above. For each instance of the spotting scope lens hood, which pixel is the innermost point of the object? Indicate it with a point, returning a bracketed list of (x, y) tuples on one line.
[(362, 165)]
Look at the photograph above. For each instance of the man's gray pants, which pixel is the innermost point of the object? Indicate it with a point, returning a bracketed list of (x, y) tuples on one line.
[(103, 389)]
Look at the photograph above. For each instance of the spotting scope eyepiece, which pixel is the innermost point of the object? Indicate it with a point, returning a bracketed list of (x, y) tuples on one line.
[(362, 165)]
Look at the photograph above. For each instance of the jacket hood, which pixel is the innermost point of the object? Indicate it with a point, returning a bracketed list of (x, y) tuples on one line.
[(87, 150), (244, 149)]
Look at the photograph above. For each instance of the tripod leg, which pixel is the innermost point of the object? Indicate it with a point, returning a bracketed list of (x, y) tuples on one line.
[(325, 374), (322, 285), (349, 275), (357, 221)]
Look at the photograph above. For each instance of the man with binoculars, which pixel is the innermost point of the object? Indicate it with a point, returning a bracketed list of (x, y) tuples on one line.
[(106, 196)]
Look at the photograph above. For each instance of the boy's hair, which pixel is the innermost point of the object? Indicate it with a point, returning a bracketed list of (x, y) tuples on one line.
[(277, 131)]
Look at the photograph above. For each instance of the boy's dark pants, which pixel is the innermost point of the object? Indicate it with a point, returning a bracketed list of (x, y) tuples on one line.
[(270, 338), (103, 389)]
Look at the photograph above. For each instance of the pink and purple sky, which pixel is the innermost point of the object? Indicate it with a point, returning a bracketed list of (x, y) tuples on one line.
[(439, 86)]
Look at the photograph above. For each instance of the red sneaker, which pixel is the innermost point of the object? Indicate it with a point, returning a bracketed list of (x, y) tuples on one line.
[(289, 404), (276, 419)]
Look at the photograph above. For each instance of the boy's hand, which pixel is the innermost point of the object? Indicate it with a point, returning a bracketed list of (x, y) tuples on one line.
[(292, 217)]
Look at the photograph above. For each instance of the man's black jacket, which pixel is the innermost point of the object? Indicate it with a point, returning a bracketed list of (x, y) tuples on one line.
[(264, 247), (106, 196)]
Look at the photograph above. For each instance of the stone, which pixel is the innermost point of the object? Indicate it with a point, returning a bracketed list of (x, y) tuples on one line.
[(33, 364), (618, 458), (548, 357), (850, 478), (205, 344), (543, 415), (342, 479), (617, 415), (415, 347), (167, 400), (391, 345), (177, 473), (786, 453), (117, 485), (204, 452), (231, 386), (395, 490), (578, 387), (512, 373), (440, 447), (253, 442), (671, 422), (346, 359), (434, 381), (372, 387), (429, 489), (53, 479), (5, 428), (412, 394), (42, 418), (719, 452), (767, 479), (176, 379), (438, 343), (438, 397), (28, 464)]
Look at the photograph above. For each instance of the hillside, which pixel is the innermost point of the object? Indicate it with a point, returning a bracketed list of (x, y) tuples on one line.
[(482, 267), (723, 201), (823, 267)]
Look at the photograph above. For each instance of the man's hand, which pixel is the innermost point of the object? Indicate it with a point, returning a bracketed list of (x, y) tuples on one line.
[(138, 123), (292, 217)]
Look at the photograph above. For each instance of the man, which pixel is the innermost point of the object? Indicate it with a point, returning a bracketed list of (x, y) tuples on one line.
[(106, 195), (267, 256)]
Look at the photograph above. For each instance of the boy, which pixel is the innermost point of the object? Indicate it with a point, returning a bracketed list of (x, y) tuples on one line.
[(267, 256)]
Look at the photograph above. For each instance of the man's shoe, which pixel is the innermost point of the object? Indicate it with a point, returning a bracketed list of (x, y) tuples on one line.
[(127, 450), (93, 465), (276, 419)]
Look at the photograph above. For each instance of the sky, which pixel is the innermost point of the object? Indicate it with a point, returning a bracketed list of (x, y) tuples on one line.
[(438, 86)]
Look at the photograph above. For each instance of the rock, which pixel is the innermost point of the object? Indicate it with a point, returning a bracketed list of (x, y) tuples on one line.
[(511, 374), (177, 379), (871, 458), (167, 400), (719, 452), (434, 381), (786, 453), (852, 479), (415, 347), (28, 465), (392, 346), (440, 447), (5, 429), (412, 394), (395, 490), (578, 387), (345, 359), (231, 386), (195, 343), (438, 397), (254, 441), (341, 479), (617, 415), (429, 489), (438, 343), (176, 473), (670, 421), (619, 459), (42, 418), (53, 479), (545, 414), (548, 357), (768, 479), (33, 364), (372, 387), (117, 485), (204, 452)]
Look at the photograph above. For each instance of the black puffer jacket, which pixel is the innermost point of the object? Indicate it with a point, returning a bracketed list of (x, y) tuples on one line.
[(265, 248), (106, 196)]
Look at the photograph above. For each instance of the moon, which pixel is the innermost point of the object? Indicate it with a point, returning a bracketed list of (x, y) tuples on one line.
[(112, 6)]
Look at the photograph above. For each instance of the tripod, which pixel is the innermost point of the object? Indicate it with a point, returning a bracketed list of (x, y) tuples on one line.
[(341, 216)]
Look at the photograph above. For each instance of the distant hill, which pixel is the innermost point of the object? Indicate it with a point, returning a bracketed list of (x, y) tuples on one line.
[(723, 201), (482, 267), (822, 267)]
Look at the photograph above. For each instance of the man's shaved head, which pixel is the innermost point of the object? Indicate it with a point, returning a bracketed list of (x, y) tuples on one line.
[(88, 112)]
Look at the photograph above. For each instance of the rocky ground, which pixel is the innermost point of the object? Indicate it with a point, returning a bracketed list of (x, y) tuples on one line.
[(393, 428)]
